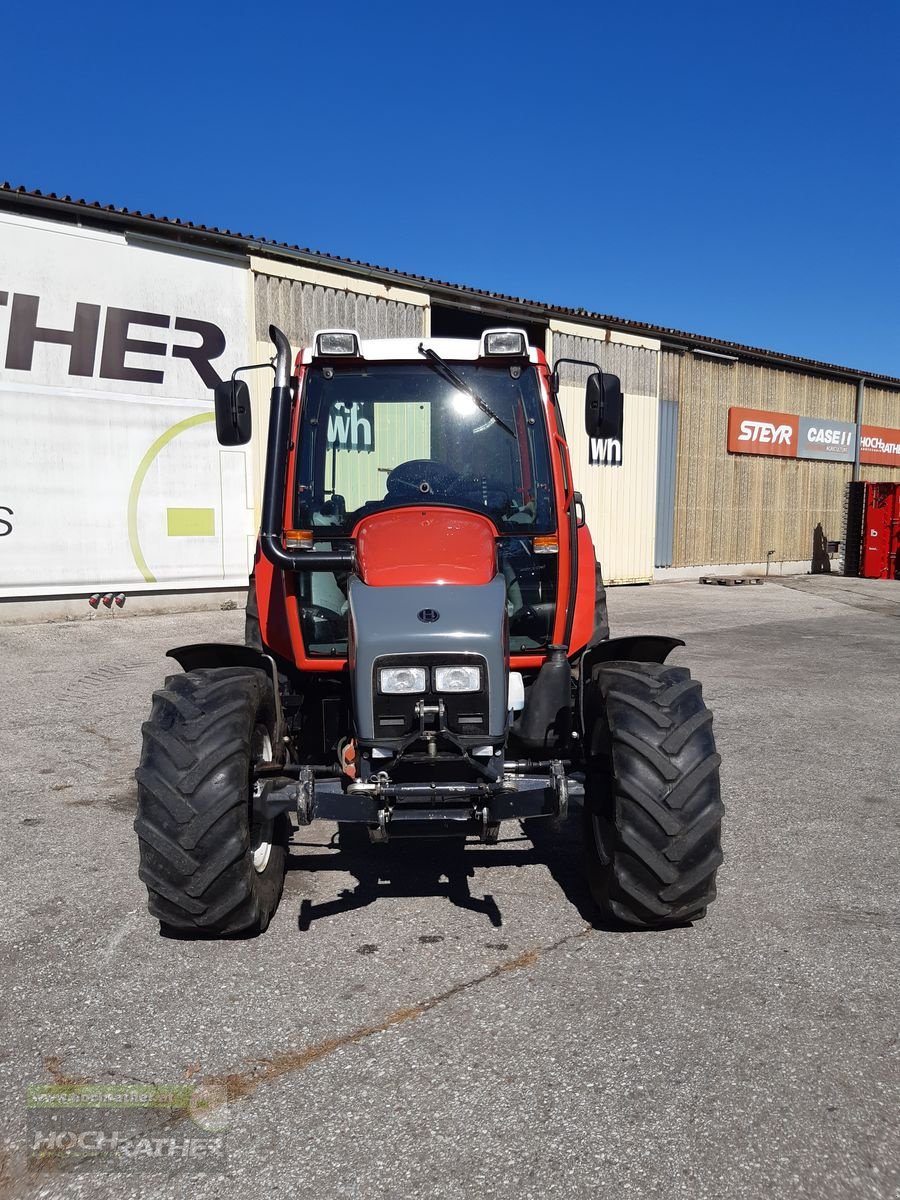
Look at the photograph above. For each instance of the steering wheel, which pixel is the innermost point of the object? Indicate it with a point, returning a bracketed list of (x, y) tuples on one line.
[(421, 477), (482, 492)]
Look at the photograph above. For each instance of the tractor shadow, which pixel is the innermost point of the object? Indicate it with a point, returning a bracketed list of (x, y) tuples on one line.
[(443, 867)]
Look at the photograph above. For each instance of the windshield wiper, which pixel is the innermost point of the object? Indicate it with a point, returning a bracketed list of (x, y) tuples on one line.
[(444, 369)]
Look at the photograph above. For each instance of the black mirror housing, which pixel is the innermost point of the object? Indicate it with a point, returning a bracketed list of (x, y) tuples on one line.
[(604, 407), (233, 418)]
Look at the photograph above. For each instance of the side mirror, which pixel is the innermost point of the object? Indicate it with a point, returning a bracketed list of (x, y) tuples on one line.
[(233, 419), (603, 407)]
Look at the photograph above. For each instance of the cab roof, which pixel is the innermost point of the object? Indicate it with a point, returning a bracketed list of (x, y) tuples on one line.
[(407, 350)]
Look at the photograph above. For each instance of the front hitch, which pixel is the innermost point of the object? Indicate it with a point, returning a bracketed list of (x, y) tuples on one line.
[(391, 809)]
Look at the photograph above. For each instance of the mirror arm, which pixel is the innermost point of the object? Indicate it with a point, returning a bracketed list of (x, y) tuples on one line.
[(253, 367), (578, 362), (239, 371)]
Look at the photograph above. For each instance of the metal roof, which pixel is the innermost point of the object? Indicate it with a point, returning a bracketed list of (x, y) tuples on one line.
[(186, 231)]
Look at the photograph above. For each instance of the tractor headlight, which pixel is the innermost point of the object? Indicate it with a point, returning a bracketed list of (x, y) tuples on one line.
[(392, 680), (457, 679), (341, 342), (504, 341)]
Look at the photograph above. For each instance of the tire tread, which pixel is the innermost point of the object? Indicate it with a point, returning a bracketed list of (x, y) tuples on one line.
[(193, 821), (653, 809)]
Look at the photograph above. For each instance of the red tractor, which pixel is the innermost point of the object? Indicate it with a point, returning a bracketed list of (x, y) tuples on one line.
[(427, 649)]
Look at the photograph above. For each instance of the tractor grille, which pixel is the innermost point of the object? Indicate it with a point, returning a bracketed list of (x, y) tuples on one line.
[(396, 715)]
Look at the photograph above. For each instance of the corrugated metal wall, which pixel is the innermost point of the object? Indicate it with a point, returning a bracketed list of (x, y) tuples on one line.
[(619, 501), (880, 407), (665, 485), (301, 308), (670, 375), (635, 366), (667, 463), (734, 508)]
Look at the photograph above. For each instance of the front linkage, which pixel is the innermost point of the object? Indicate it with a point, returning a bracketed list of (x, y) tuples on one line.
[(426, 809)]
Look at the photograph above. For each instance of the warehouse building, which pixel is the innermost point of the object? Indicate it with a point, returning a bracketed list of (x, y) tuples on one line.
[(115, 324)]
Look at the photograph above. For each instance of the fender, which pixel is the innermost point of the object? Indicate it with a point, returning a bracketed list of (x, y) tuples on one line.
[(201, 655), (641, 647)]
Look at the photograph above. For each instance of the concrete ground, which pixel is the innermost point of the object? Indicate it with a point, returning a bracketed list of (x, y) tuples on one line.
[(419, 1023)]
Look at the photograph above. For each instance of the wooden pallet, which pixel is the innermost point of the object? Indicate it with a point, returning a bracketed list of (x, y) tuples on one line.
[(731, 580)]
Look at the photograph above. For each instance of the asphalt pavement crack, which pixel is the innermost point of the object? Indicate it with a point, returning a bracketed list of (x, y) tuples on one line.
[(240, 1084)]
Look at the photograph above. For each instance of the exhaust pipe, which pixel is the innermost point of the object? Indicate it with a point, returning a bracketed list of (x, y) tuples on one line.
[(282, 357), (272, 524)]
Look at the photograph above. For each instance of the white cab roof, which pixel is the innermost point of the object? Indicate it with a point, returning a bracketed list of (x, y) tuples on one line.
[(407, 350)]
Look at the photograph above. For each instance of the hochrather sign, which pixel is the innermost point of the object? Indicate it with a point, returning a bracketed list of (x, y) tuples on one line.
[(880, 447), (111, 478), (82, 338), (784, 435)]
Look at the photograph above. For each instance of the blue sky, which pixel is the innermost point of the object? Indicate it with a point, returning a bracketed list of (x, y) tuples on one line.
[(725, 169)]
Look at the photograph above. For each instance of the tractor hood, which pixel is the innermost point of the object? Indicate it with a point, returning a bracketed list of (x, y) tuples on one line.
[(433, 545), (428, 626), (428, 594)]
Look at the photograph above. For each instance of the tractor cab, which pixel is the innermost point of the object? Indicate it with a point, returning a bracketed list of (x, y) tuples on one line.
[(433, 426), (403, 424)]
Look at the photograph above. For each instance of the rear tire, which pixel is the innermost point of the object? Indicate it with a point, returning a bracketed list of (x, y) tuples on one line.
[(208, 865), (653, 810)]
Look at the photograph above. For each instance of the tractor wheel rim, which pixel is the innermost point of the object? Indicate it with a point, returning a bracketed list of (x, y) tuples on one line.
[(260, 831)]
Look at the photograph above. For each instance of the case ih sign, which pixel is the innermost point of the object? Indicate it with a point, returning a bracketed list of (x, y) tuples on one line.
[(784, 435)]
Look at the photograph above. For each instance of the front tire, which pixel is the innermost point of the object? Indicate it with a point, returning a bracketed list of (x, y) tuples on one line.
[(209, 866), (653, 809)]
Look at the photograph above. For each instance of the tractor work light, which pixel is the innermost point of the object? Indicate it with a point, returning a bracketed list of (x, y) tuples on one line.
[(394, 680), (342, 343), (457, 679), (504, 341)]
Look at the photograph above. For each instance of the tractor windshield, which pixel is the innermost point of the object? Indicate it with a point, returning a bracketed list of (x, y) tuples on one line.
[(379, 435)]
